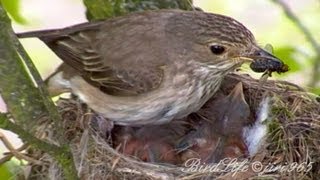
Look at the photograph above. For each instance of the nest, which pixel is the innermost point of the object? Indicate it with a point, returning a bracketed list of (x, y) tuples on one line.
[(292, 140)]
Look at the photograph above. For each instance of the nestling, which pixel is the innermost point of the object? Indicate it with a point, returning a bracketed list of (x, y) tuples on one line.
[(155, 143), (218, 132)]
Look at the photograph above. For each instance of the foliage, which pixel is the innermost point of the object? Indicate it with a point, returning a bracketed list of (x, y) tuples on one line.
[(287, 54), (9, 170), (100, 9), (13, 8)]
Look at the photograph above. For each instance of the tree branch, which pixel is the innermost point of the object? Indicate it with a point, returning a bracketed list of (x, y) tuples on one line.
[(42, 90), (289, 13), (24, 101), (16, 87)]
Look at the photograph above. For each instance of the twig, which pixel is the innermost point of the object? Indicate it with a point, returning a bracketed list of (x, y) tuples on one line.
[(289, 13), (16, 153), (61, 154), (9, 155)]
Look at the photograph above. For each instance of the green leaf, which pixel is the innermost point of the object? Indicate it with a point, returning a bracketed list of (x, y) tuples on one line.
[(287, 55), (13, 8), (316, 91), (10, 170)]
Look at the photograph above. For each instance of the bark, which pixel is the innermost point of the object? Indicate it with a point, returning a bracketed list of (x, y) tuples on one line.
[(26, 98)]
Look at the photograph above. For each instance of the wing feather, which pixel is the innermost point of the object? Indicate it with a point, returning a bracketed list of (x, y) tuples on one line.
[(119, 63)]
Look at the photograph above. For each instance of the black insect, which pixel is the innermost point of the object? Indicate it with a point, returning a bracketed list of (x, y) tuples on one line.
[(269, 66)]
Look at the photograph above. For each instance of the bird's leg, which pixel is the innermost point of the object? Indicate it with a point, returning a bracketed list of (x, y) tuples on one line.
[(15, 152)]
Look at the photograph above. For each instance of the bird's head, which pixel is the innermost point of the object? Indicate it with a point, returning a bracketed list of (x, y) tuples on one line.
[(221, 42)]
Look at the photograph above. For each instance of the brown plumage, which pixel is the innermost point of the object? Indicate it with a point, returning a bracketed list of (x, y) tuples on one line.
[(150, 67)]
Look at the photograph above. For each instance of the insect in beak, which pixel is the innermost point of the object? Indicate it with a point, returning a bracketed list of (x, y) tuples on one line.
[(263, 61)]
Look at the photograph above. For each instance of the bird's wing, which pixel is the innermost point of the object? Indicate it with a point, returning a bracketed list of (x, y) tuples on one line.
[(121, 56)]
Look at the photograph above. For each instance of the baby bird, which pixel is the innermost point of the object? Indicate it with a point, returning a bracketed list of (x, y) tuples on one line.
[(154, 143), (218, 133)]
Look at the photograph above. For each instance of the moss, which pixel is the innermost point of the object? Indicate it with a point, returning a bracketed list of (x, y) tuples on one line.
[(16, 86), (282, 111), (276, 136), (101, 9)]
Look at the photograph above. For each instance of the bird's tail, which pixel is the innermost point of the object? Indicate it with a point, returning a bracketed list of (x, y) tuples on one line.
[(44, 35), (53, 34), (37, 34)]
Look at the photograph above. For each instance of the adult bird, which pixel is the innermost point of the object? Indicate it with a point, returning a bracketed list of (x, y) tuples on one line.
[(150, 67)]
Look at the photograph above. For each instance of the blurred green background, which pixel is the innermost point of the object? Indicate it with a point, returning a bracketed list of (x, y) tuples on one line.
[(264, 18)]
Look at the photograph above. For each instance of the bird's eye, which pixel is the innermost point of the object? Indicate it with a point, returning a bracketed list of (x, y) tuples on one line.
[(217, 49)]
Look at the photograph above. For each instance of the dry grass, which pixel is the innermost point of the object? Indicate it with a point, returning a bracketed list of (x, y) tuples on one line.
[(293, 137)]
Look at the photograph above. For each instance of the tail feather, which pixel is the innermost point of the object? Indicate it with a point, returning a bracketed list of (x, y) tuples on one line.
[(54, 34), (45, 35), (38, 34)]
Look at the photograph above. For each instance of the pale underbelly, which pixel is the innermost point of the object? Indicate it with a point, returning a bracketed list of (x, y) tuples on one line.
[(162, 106)]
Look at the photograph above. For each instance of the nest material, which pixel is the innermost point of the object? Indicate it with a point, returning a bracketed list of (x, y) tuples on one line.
[(293, 138)]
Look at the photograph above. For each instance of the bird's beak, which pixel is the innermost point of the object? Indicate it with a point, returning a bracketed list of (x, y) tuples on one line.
[(237, 92), (262, 61)]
